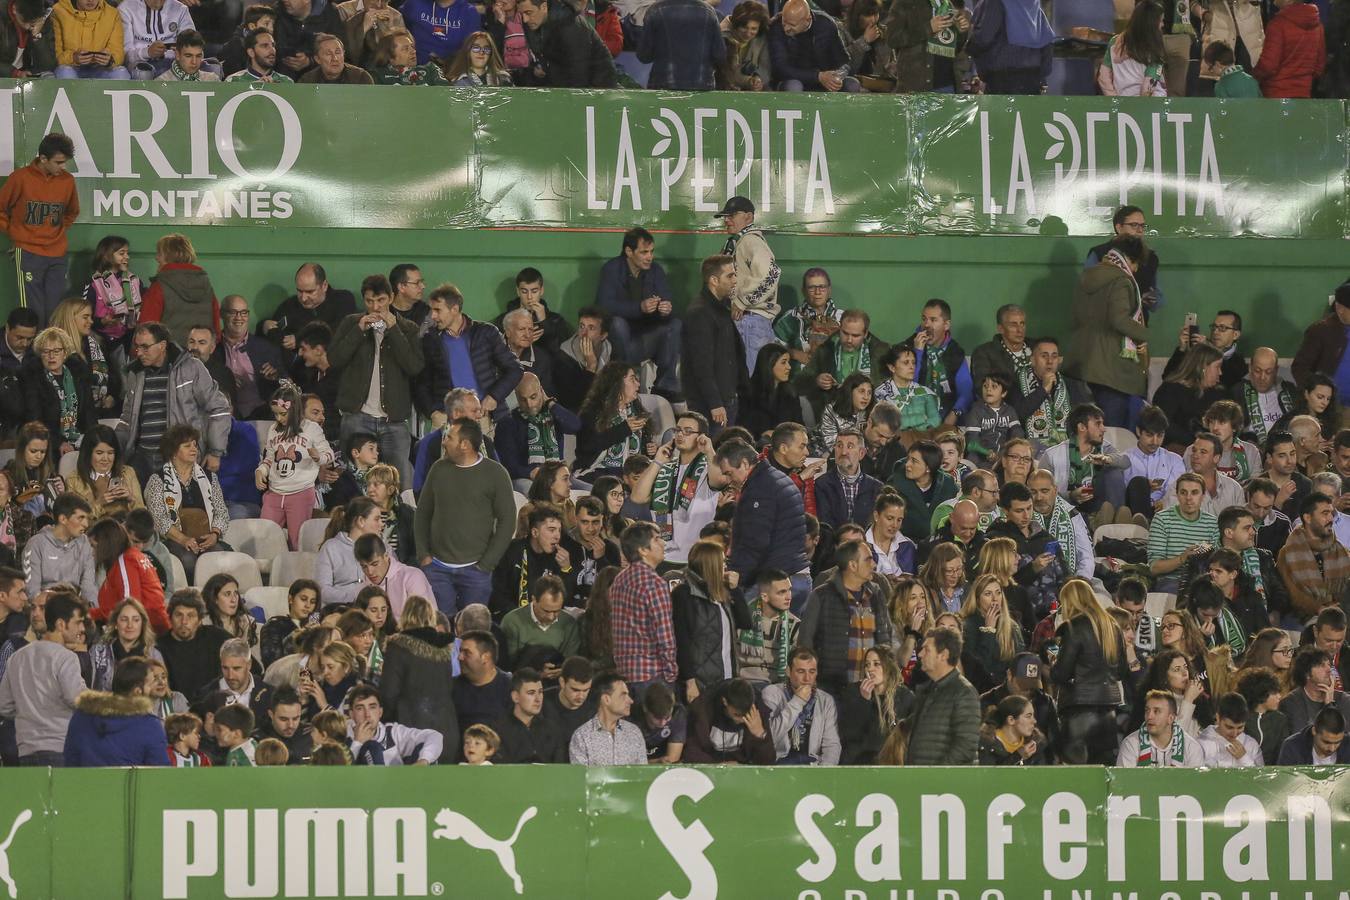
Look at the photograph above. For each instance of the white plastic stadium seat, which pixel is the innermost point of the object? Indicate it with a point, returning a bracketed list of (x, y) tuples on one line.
[(663, 415), (290, 565), (271, 600), (243, 567), (6, 454), (1128, 532), (311, 534), (520, 499), (1121, 438), (264, 428), (261, 539), (66, 467), (178, 573), (1157, 604), (409, 498)]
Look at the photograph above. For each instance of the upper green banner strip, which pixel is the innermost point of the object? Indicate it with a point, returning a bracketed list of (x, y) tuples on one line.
[(879, 164)]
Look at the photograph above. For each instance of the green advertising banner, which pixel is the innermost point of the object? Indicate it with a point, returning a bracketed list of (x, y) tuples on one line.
[(353, 157), (217, 154), (678, 833), (1062, 165)]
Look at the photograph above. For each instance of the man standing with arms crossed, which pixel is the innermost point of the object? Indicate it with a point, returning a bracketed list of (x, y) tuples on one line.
[(38, 204)]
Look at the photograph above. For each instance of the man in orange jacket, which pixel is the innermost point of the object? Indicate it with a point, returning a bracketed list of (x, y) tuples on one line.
[(38, 203)]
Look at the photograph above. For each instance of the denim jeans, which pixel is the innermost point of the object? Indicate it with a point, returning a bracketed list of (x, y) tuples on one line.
[(1118, 408), (657, 340), (115, 73), (393, 437), (756, 331), (457, 587)]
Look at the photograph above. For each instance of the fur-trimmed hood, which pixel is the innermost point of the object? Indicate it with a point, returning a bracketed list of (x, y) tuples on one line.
[(424, 643), (109, 705)]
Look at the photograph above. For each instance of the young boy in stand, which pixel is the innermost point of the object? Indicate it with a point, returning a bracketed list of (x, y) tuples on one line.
[(234, 724), (991, 421), (480, 745), (184, 732)]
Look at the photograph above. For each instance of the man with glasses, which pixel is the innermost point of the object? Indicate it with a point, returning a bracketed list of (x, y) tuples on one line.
[(682, 486), (1224, 333), (166, 386), (979, 487), (254, 362), (1129, 220), (853, 348), (409, 286)]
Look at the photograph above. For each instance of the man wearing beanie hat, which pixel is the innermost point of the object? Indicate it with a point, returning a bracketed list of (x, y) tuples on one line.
[(1324, 344)]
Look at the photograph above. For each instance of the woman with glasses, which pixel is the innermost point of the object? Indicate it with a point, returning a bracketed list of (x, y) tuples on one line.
[(1271, 649), (57, 389), (1014, 462), (814, 321), (478, 64)]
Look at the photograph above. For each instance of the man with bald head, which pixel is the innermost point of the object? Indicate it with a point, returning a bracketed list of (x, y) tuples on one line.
[(1326, 346), (962, 528), (1065, 523), (806, 51), (314, 300), (532, 434), (254, 363), (1263, 396)]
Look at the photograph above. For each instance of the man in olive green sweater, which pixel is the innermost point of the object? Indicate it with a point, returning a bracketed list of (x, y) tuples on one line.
[(466, 517)]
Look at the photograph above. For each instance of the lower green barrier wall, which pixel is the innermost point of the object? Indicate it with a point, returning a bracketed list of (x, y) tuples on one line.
[(1278, 286), (637, 833)]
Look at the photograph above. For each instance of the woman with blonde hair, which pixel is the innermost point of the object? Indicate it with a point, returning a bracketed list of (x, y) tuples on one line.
[(944, 575), (992, 639), (998, 557), (871, 709), (57, 390), (128, 634), (913, 612), (708, 610), (75, 317), (181, 296), (478, 64), (415, 684), (340, 670), (1090, 670), (1188, 393)]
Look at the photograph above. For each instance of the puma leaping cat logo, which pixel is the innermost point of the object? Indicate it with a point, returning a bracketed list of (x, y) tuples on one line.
[(458, 827), (5, 876)]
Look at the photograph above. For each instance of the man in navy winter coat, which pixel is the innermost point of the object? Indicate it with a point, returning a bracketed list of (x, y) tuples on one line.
[(117, 728), (807, 53)]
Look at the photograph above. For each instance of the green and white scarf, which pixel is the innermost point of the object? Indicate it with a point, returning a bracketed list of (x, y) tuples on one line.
[(1046, 424), (672, 493), (1128, 348), (541, 438), (1255, 417), (1148, 754), (1251, 564), (805, 317), (617, 455), (179, 74), (754, 637), (944, 42), (1021, 360), (1233, 635), (864, 359), (1060, 527), (934, 369), (70, 403), (1080, 470)]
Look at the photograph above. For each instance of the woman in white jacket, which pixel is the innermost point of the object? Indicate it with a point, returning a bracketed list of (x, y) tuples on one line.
[(291, 458)]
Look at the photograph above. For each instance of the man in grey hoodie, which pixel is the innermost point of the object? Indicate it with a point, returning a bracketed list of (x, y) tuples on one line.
[(61, 552), (42, 683)]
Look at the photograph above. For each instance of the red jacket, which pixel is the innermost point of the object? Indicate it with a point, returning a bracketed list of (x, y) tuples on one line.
[(133, 576), (1294, 54)]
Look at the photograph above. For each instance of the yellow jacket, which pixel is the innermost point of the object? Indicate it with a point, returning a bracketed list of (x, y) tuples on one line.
[(100, 29)]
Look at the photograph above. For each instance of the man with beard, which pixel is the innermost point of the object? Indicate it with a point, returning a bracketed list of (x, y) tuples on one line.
[(261, 49), (1315, 567), (1048, 396), (532, 433), (254, 362), (282, 722)]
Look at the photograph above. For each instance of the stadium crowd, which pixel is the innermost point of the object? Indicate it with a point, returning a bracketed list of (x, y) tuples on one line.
[(807, 543), (1271, 48)]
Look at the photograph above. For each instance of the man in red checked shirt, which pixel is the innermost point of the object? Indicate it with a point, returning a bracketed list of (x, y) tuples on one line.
[(644, 634)]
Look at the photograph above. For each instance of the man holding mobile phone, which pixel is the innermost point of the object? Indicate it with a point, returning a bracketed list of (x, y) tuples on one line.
[(88, 40), (150, 30)]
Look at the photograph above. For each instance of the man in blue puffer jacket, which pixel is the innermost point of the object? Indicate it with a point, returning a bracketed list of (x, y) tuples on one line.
[(118, 728), (769, 528)]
